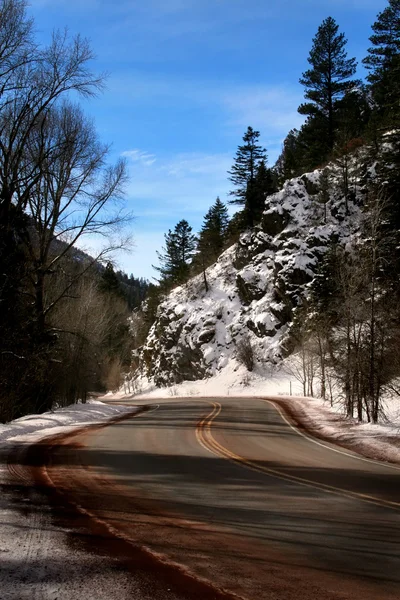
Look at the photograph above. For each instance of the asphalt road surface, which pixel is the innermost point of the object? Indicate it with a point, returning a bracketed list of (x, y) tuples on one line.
[(229, 494)]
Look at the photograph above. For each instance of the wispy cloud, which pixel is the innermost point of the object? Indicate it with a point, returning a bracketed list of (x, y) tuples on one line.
[(192, 165), (136, 155), (272, 109), (180, 186), (175, 187)]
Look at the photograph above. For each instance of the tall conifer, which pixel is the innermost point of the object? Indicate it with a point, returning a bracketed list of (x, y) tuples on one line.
[(328, 80), (177, 254), (213, 233), (383, 62), (244, 172)]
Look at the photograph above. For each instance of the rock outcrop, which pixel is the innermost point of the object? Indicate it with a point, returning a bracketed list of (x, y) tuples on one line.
[(254, 287)]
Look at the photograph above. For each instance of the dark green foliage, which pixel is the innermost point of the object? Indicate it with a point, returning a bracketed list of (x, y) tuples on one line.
[(110, 282), (383, 62), (243, 175), (236, 226), (212, 236), (313, 146), (153, 298), (339, 110), (264, 185), (287, 165), (131, 289), (212, 239), (328, 80), (353, 112), (177, 255), (390, 173), (303, 150), (309, 148), (136, 290)]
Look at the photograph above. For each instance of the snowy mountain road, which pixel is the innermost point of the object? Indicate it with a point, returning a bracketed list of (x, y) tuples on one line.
[(230, 492), (197, 499)]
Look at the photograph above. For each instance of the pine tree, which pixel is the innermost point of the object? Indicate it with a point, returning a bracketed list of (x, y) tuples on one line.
[(236, 226), (312, 144), (264, 186), (213, 232), (353, 113), (178, 253), (243, 174), (383, 61), (328, 79), (287, 164), (110, 283)]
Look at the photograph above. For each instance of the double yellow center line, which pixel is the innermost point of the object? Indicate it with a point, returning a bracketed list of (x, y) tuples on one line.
[(206, 439)]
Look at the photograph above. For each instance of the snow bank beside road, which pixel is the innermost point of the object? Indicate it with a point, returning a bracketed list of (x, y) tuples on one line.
[(32, 428), (376, 441)]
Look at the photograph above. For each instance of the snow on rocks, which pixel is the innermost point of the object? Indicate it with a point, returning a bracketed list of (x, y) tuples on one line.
[(253, 288)]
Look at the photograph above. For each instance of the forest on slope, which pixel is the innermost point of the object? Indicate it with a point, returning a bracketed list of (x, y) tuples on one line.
[(63, 313)]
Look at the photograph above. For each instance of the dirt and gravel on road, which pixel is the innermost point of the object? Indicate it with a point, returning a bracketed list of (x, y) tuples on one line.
[(142, 544)]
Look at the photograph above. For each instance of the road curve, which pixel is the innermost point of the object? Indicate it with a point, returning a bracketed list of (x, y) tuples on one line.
[(229, 491)]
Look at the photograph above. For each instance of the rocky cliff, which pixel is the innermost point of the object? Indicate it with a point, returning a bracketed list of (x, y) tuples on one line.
[(255, 286)]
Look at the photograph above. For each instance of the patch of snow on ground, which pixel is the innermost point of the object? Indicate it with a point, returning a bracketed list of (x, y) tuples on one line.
[(37, 557), (34, 427)]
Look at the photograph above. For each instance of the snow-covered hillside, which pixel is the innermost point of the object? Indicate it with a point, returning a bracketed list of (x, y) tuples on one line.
[(254, 287)]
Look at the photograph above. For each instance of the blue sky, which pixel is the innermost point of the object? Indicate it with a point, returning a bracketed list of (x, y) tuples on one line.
[(186, 78)]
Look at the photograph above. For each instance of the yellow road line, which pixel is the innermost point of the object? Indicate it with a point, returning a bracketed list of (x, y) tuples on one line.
[(206, 440)]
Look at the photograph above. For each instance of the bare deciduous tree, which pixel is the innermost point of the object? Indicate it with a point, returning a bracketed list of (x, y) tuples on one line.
[(55, 188), (245, 352), (363, 340), (92, 337), (30, 91), (75, 196)]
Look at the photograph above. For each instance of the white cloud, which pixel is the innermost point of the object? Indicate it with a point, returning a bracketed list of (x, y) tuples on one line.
[(197, 164), (179, 186), (271, 109), (136, 155)]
